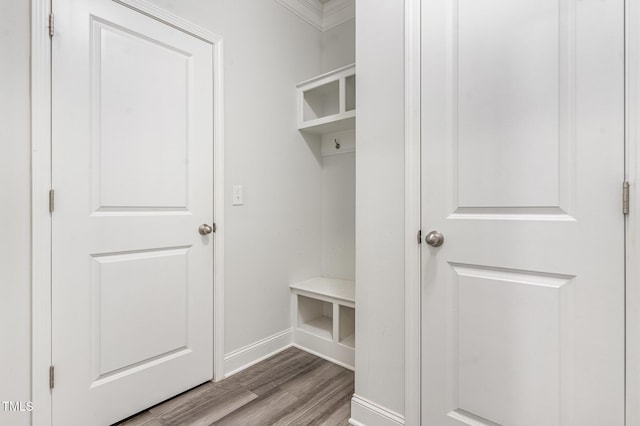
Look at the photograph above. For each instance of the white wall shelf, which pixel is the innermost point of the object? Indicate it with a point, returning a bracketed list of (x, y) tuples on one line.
[(328, 289), (323, 314), (327, 103)]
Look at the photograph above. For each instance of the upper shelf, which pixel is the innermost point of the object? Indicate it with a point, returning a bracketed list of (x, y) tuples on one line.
[(327, 103)]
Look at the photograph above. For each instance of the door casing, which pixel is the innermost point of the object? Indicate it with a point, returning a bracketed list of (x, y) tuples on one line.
[(41, 340), (413, 271), (632, 222), (413, 197)]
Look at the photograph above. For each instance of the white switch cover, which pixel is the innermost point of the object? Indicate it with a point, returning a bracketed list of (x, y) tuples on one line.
[(238, 196)]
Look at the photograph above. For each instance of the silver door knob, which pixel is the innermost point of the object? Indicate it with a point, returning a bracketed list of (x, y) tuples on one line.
[(205, 229), (434, 239)]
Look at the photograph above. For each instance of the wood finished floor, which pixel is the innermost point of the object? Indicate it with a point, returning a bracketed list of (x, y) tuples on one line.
[(290, 388)]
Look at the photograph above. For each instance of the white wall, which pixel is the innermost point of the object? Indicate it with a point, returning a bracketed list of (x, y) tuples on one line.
[(380, 203), (339, 46), (15, 193), (338, 208), (274, 238), (338, 173)]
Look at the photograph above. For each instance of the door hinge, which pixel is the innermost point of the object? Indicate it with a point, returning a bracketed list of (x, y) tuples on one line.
[(51, 377), (51, 24), (419, 236), (625, 197), (51, 201)]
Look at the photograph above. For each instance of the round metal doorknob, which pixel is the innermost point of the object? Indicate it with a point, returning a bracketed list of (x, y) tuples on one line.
[(205, 229), (434, 239)]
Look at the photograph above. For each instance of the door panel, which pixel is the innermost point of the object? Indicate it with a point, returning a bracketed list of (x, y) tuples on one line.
[(133, 174), (154, 282), (131, 76), (522, 159), (508, 101), (509, 343)]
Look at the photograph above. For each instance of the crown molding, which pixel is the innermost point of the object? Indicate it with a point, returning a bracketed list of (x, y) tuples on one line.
[(310, 11), (336, 12), (322, 16)]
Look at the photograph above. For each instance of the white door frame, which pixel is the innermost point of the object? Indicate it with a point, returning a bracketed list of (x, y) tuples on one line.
[(413, 295), (632, 225), (412, 211), (41, 341)]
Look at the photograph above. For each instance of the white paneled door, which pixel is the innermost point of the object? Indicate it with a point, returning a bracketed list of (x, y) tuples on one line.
[(522, 164), (133, 177)]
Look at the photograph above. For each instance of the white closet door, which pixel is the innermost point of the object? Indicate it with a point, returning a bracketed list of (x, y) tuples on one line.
[(522, 165), (133, 177)]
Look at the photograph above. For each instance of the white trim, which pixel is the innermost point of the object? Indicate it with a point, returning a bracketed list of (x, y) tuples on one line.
[(40, 217), (322, 16), (327, 77), (412, 255), (218, 214), (147, 8), (162, 15), (632, 222), (367, 413), (324, 356), (337, 12), (249, 355), (308, 10)]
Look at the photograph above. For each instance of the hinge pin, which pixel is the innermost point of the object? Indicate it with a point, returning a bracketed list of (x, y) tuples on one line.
[(625, 197), (51, 201), (51, 377), (51, 24)]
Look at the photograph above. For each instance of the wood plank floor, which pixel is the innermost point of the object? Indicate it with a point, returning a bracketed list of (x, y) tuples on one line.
[(290, 388)]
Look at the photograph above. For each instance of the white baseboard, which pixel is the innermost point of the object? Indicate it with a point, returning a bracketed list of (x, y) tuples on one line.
[(368, 413), (249, 355), (320, 355)]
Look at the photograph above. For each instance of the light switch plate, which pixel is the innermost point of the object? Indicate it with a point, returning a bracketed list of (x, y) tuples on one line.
[(238, 195)]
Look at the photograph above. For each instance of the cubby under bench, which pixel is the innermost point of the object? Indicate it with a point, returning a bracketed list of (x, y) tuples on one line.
[(323, 317)]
